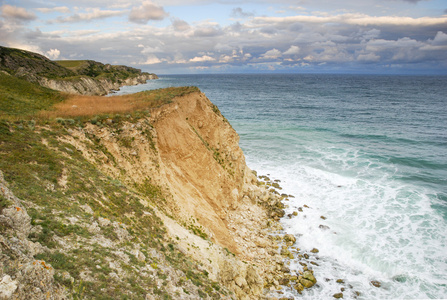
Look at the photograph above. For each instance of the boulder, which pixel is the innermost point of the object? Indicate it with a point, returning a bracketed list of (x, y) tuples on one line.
[(308, 280)]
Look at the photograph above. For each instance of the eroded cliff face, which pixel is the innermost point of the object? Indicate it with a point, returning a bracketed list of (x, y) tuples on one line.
[(91, 86), (188, 148), (182, 163), (201, 163)]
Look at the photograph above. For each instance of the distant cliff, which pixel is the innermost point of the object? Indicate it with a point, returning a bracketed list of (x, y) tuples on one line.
[(85, 77)]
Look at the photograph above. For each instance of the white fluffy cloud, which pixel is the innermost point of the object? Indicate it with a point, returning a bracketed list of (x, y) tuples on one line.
[(92, 14), (60, 9), (204, 58), (53, 54), (272, 54), (293, 50), (146, 12), (17, 13), (151, 60)]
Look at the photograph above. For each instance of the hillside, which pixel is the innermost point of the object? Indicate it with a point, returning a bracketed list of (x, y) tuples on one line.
[(143, 196), (84, 77)]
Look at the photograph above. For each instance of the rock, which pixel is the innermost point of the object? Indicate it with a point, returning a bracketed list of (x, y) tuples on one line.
[(340, 281), (139, 255), (94, 228), (314, 250), (306, 256), (285, 252), (324, 227), (299, 287), (261, 243), (323, 217), (240, 281), (103, 221), (308, 279), (376, 283), (306, 283), (289, 238), (67, 277), (7, 287), (284, 281), (338, 295)]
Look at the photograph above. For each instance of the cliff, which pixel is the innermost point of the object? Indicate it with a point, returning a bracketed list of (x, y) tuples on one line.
[(83, 77), (143, 196), (153, 203)]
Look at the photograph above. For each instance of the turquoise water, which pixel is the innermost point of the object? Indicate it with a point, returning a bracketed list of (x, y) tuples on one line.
[(369, 153)]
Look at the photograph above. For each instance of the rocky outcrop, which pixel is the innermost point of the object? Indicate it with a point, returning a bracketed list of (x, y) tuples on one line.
[(21, 275)]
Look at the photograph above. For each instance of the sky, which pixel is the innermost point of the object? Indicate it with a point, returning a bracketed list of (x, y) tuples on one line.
[(235, 36)]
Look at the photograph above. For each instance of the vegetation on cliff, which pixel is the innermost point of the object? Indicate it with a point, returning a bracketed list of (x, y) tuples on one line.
[(74, 76)]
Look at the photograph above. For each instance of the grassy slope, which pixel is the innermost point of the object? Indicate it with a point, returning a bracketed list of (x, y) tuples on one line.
[(70, 64), (31, 66), (19, 97), (34, 160)]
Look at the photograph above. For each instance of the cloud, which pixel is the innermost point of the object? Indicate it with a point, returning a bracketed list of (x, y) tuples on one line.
[(240, 13), (307, 39), (60, 9), (151, 60), (149, 49), (204, 58), (146, 12), (16, 13), (53, 54), (413, 1), (370, 57), (180, 25), (93, 14), (354, 19), (208, 30), (226, 59), (440, 39), (293, 50), (272, 54)]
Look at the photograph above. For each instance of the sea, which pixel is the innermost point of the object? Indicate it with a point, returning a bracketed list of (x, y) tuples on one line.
[(365, 157)]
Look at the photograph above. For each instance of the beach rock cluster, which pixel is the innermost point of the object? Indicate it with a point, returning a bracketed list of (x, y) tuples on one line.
[(256, 227)]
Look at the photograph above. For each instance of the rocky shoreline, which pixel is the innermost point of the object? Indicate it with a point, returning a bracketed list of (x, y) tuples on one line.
[(257, 229)]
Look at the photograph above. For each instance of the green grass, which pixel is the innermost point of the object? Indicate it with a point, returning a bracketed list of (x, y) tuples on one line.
[(19, 97), (70, 63)]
